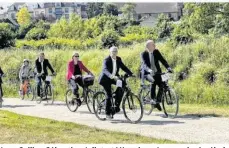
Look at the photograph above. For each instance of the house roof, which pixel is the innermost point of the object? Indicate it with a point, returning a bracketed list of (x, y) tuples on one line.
[(153, 7)]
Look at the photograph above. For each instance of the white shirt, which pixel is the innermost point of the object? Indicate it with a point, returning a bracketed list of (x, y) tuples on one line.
[(114, 67), (42, 69)]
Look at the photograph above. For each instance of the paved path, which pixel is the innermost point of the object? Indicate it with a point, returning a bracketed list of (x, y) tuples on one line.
[(182, 129)]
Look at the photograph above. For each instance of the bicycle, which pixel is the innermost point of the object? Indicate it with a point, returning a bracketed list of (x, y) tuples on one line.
[(129, 101), (86, 97), (27, 89), (46, 91), (167, 96)]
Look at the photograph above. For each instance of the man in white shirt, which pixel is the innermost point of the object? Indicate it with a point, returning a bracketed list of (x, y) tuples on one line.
[(109, 76)]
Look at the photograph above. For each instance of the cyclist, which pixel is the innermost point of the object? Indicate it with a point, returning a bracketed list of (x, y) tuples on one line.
[(109, 76), (74, 74), (25, 73), (1, 75), (150, 70), (41, 65)]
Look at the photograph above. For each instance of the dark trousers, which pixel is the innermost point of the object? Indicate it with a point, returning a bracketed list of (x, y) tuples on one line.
[(39, 83), (1, 90), (158, 82), (118, 96), (73, 83)]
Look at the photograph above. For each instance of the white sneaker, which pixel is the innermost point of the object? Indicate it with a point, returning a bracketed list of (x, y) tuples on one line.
[(153, 102)]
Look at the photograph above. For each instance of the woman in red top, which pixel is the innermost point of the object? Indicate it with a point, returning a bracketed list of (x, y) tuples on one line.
[(74, 75)]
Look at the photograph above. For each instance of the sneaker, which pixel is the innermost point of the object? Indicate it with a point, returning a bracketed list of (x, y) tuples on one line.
[(117, 109), (153, 102), (158, 106), (109, 117)]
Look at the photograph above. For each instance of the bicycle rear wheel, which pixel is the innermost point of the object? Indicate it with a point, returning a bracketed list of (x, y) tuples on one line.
[(49, 94), (132, 108), (99, 105), (170, 103), (144, 95), (70, 101), (89, 100)]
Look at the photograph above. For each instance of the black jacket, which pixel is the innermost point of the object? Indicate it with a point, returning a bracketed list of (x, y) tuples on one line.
[(145, 61), (1, 73), (46, 65), (108, 68)]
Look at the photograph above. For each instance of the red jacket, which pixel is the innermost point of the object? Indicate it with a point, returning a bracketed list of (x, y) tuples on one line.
[(71, 68)]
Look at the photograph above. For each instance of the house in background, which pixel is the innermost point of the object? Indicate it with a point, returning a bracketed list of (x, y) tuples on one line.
[(148, 13), (54, 11), (48, 11)]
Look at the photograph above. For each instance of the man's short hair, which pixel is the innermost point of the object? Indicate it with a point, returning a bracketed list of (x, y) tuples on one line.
[(147, 43), (113, 48)]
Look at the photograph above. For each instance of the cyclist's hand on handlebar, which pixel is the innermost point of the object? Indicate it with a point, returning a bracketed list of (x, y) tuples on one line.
[(170, 70)]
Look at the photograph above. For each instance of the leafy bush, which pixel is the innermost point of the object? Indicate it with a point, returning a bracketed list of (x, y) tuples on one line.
[(6, 35), (36, 34), (109, 38), (23, 30)]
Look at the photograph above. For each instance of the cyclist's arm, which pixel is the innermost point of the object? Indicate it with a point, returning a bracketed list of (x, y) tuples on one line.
[(105, 69), (20, 73), (162, 59), (144, 66), (50, 67), (85, 68), (70, 70), (124, 68)]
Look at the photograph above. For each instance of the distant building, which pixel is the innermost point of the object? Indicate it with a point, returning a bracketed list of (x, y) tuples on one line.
[(148, 12), (48, 11)]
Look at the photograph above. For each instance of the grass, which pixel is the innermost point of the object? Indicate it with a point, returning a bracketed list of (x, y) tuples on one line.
[(204, 110), (24, 129)]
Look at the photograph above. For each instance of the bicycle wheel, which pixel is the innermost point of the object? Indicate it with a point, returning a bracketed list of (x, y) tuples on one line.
[(132, 108), (30, 93), (36, 97), (70, 101), (89, 100), (170, 103), (144, 95), (49, 94), (99, 105)]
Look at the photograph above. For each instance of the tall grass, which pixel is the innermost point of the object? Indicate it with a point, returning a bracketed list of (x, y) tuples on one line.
[(200, 60)]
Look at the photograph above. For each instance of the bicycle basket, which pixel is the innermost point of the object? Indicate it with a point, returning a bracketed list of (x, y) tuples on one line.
[(165, 77), (88, 80)]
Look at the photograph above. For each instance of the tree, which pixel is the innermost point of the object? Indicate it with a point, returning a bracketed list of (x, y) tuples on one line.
[(164, 26), (6, 35), (23, 17), (128, 11), (94, 9), (110, 9)]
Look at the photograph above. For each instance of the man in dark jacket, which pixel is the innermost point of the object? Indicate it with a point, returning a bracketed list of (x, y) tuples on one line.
[(41, 65), (151, 69), (109, 76), (1, 75)]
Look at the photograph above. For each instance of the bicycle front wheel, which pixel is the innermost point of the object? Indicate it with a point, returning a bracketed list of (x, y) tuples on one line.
[(170, 103), (144, 95), (49, 94), (132, 108), (30, 93), (99, 105)]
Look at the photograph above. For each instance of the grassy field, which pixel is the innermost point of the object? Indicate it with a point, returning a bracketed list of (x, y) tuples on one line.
[(25, 129)]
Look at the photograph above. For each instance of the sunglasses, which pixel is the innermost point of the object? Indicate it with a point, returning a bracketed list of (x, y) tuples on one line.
[(77, 56)]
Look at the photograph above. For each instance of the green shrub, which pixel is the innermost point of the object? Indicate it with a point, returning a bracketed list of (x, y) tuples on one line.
[(36, 34), (6, 35), (109, 38)]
